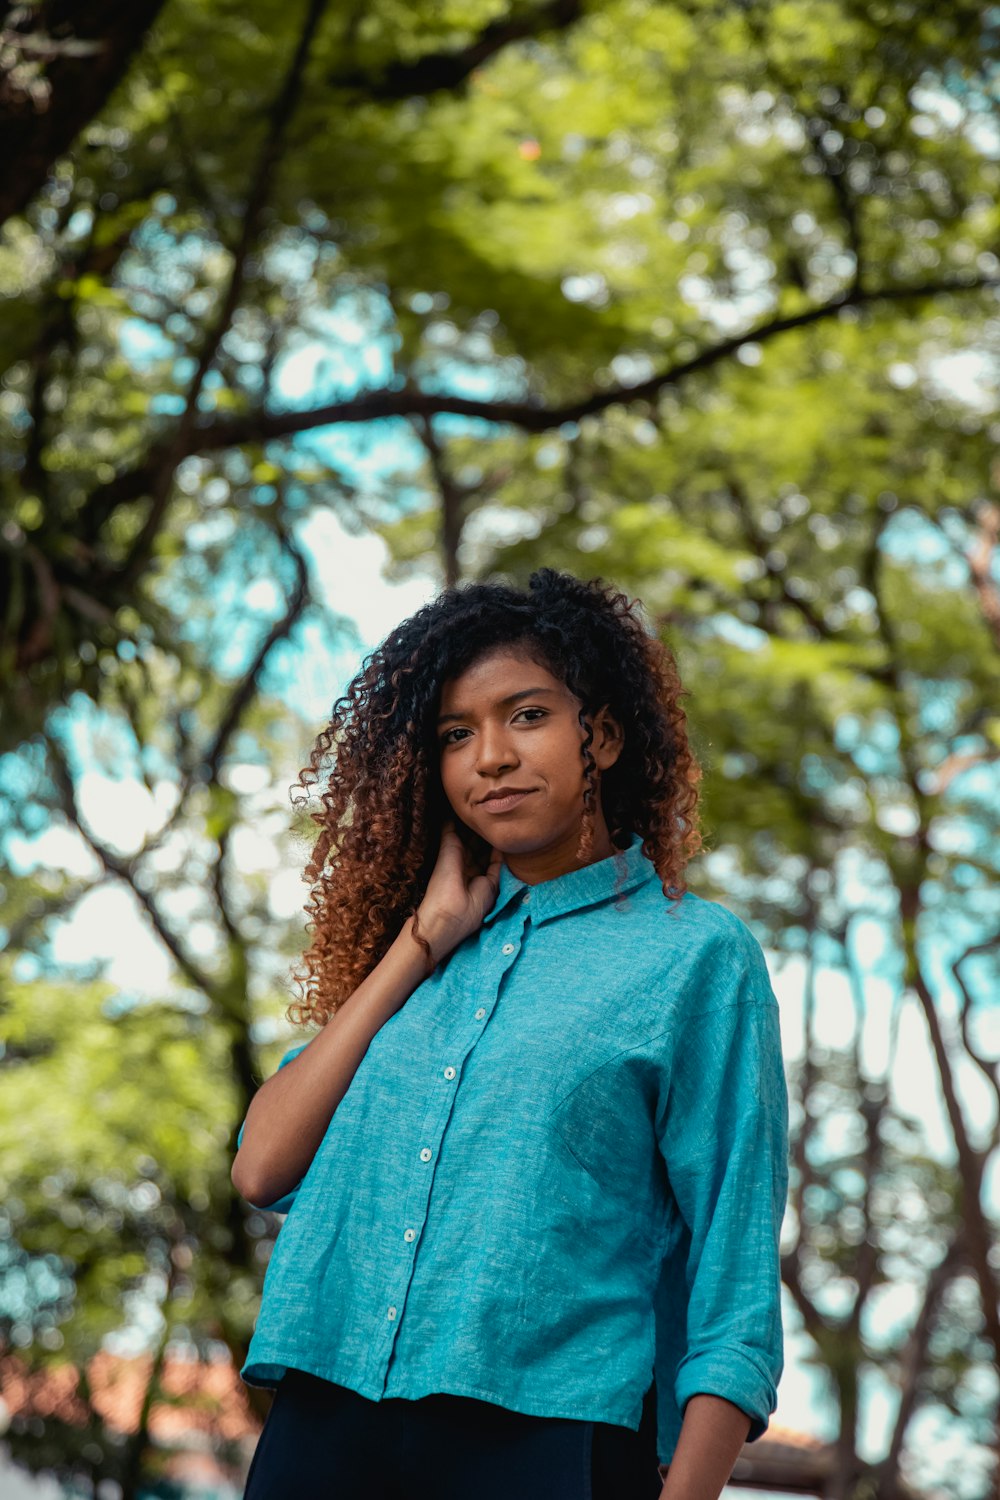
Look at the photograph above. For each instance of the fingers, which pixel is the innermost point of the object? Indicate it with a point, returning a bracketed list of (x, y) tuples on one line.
[(493, 872), (451, 844)]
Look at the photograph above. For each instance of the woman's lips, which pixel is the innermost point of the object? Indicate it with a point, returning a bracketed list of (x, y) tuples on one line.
[(504, 804)]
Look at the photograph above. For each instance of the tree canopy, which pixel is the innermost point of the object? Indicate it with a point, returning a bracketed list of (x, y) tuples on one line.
[(699, 297)]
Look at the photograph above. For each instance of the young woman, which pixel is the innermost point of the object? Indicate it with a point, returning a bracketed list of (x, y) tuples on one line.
[(535, 1159)]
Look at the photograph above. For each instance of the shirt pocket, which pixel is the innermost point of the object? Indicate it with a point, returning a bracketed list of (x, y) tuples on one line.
[(606, 1122), (592, 1035)]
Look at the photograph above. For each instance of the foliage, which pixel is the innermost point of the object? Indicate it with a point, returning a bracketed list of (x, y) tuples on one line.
[(674, 292)]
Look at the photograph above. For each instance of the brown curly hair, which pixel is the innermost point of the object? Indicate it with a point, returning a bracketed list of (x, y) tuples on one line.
[(382, 803)]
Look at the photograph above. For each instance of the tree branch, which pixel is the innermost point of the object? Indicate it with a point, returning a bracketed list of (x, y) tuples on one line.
[(448, 69), (451, 497), (92, 44), (980, 560), (281, 113), (909, 870), (532, 417), (122, 868), (912, 1363), (761, 548), (986, 1066), (280, 630)]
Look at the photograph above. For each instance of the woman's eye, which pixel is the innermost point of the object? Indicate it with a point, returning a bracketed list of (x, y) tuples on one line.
[(541, 713)]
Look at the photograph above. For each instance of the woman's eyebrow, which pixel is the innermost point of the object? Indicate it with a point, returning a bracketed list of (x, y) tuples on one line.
[(532, 692)]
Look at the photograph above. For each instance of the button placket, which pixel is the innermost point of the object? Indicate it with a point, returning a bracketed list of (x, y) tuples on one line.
[(434, 1127), (418, 1192)]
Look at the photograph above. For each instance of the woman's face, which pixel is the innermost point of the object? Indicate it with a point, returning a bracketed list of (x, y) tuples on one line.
[(507, 725)]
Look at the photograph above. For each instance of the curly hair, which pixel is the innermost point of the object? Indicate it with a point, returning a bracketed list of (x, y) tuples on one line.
[(382, 802)]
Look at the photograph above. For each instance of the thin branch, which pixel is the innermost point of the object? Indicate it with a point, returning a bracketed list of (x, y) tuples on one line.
[(137, 1443), (38, 642), (122, 869), (236, 949), (451, 497), (835, 172), (270, 155), (247, 688), (908, 872), (791, 1274), (816, 124), (791, 1264), (21, 932), (203, 766), (953, 765), (872, 1107), (800, 1153), (760, 546), (34, 475), (912, 1363), (980, 560), (988, 1067)]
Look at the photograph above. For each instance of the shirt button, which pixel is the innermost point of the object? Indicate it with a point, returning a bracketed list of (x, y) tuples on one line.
[(480, 1013), (507, 948), (425, 1154), (449, 1072), (409, 1234), (391, 1314), (526, 896)]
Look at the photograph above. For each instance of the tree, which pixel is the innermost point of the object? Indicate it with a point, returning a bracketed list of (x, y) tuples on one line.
[(572, 180), (665, 291), (118, 1199)]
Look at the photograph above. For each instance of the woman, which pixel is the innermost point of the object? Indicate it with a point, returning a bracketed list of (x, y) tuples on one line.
[(535, 1159)]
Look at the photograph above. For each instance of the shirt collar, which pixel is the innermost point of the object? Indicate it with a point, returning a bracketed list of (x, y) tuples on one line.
[(600, 881)]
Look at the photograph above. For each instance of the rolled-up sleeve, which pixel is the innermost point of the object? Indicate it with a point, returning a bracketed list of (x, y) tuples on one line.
[(283, 1204), (723, 1133)]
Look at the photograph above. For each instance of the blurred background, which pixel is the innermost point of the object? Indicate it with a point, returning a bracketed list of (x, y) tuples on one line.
[(308, 309)]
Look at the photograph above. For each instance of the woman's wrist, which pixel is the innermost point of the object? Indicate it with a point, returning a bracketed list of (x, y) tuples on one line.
[(711, 1439), (436, 932)]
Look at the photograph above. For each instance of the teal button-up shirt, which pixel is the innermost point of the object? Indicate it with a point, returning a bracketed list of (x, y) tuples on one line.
[(559, 1171)]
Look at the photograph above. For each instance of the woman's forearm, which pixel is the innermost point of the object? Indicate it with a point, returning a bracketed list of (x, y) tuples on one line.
[(289, 1114), (711, 1436)]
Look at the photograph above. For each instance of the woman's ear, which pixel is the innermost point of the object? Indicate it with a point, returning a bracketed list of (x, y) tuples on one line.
[(609, 739)]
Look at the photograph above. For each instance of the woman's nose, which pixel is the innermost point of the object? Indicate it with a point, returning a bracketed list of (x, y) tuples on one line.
[(496, 751)]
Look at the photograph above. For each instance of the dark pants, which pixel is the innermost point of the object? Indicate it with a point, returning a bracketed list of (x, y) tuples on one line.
[(324, 1442)]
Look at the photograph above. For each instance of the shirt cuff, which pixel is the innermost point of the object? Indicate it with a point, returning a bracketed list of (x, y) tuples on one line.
[(728, 1370)]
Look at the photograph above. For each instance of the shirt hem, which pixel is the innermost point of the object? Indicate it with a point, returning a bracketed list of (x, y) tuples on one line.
[(257, 1372)]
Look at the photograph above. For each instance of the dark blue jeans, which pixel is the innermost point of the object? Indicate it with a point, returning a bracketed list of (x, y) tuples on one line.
[(324, 1442)]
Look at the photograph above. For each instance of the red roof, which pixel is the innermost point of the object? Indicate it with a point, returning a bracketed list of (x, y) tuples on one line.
[(196, 1395)]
